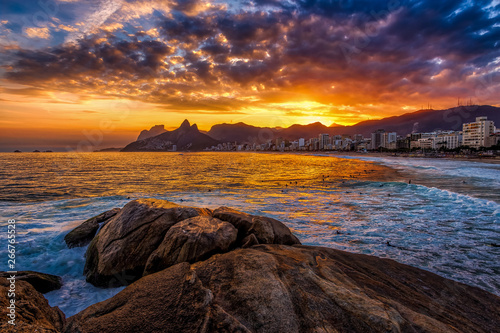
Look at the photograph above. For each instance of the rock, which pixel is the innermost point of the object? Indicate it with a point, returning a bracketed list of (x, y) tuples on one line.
[(32, 311), (42, 282), (249, 241), (118, 254), (85, 232), (154, 131), (192, 240), (173, 300), (265, 229), (278, 288)]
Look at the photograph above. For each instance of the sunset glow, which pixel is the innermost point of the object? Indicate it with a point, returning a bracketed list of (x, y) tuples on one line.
[(68, 66)]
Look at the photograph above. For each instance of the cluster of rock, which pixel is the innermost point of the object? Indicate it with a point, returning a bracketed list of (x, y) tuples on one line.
[(149, 235), (30, 312), (192, 269)]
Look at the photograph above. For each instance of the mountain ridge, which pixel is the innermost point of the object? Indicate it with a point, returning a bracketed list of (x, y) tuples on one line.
[(186, 137), (426, 120), (418, 121)]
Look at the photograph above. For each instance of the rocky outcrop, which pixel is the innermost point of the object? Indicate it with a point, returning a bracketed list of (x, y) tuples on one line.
[(42, 282), (149, 235), (153, 131), (279, 288), (85, 232), (118, 254), (173, 300), (266, 230), (32, 311), (186, 137), (192, 240)]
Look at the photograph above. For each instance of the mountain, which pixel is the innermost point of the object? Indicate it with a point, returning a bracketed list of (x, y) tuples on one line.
[(241, 133), (186, 137), (419, 121), (304, 131), (154, 131), (426, 120)]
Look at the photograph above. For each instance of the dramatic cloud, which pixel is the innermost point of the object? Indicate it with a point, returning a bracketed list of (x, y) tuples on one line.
[(377, 57)]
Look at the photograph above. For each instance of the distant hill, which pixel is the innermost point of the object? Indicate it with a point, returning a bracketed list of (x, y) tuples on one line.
[(154, 131), (425, 120), (243, 133), (186, 137), (419, 121)]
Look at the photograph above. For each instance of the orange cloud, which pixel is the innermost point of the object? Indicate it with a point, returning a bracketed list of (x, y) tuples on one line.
[(33, 32)]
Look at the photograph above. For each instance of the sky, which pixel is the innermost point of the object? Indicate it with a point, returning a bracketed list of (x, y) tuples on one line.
[(97, 72)]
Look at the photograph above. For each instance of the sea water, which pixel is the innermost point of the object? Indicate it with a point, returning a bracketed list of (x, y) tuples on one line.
[(446, 221)]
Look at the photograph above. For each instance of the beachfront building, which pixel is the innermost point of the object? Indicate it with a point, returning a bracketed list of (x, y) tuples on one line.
[(448, 140), (424, 143), (480, 133), (302, 143), (377, 139), (389, 140), (324, 141), (436, 140)]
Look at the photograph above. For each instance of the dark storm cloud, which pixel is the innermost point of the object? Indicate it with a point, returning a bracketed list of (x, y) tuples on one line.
[(90, 57), (367, 46)]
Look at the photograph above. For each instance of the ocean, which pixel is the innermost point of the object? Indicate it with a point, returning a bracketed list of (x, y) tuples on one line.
[(446, 221)]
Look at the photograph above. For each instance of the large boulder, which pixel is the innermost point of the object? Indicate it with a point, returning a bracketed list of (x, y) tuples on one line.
[(192, 240), (119, 252), (278, 288), (32, 311), (267, 230), (42, 282), (85, 232), (173, 300)]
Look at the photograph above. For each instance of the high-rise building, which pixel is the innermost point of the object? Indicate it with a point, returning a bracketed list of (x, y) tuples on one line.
[(480, 133), (377, 139), (324, 141), (389, 140)]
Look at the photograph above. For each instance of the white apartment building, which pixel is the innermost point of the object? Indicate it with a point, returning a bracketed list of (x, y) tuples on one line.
[(436, 140), (448, 140), (426, 143), (479, 133)]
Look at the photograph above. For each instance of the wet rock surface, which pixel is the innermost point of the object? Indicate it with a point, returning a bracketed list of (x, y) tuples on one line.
[(32, 311), (85, 232), (278, 288), (42, 282)]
